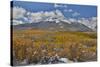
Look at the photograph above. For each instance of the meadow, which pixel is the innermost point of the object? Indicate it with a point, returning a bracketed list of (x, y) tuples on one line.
[(34, 44)]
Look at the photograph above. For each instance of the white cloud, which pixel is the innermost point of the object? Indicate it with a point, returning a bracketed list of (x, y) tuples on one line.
[(59, 13), (56, 5), (65, 6), (59, 5), (21, 13), (18, 12), (53, 15), (16, 22), (48, 14), (68, 10), (45, 15), (94, 18), (75, 14), (72, 20)]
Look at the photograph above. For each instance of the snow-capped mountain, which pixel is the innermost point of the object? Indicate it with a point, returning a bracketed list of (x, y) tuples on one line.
[(91, 22), (51, 20)]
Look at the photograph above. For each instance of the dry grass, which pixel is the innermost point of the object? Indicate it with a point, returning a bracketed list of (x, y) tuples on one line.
[(34, 44)]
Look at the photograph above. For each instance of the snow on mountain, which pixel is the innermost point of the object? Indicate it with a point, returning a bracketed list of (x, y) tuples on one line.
[(21, 16), (91, 22)]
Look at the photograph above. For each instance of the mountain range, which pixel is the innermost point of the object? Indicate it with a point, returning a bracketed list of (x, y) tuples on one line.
[(54, 21)]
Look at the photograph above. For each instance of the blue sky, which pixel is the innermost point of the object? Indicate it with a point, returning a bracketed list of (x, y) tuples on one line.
[(69, 10)]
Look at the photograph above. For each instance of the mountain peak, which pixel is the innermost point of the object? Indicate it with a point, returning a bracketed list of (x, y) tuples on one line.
[(22, 16)]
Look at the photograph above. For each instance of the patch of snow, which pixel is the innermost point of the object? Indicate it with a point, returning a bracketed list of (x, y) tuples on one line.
[(65, 60), (57, 21), (65, 20)]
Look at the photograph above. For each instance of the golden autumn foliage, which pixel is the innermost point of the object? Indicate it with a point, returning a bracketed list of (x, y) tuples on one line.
[(34, 44)]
